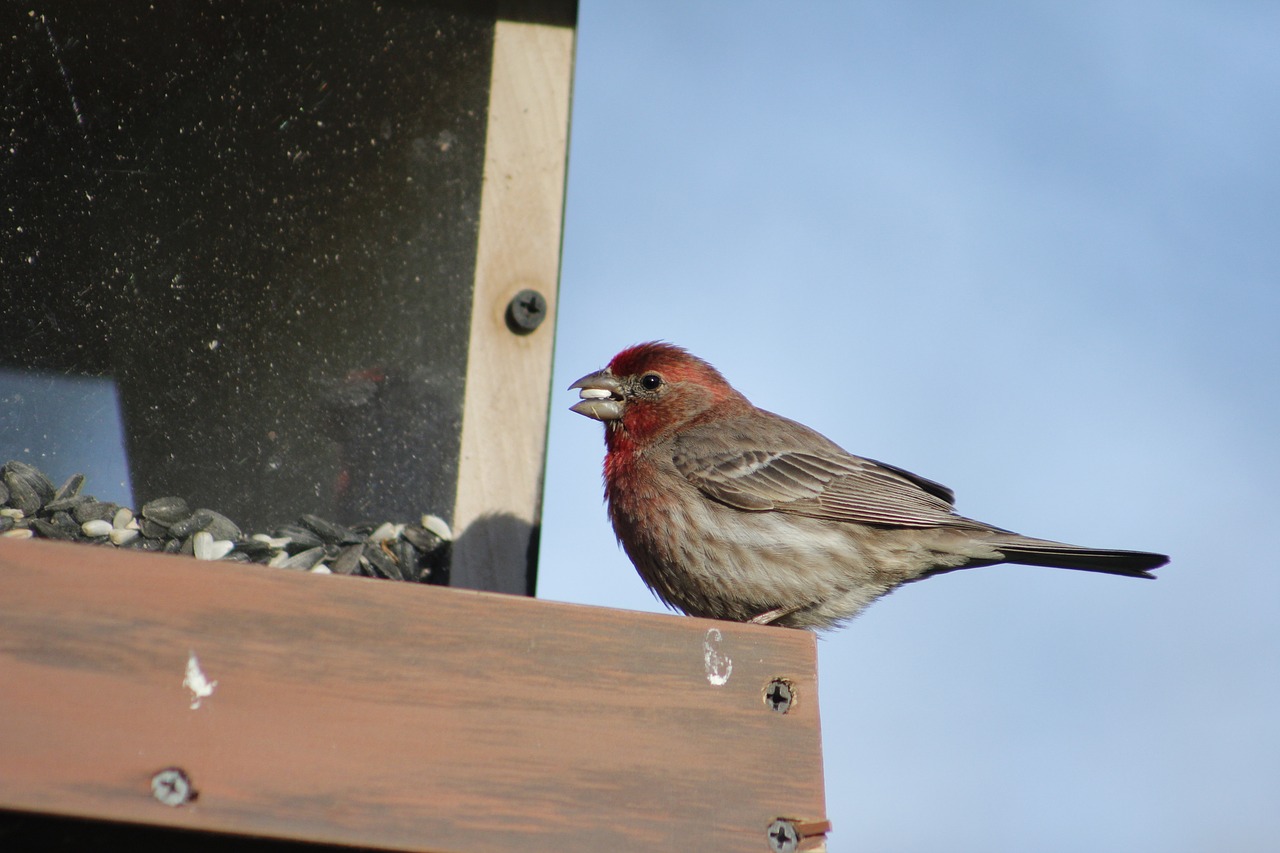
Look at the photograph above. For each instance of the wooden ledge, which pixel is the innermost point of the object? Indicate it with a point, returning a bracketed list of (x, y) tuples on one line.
[(351, 711)]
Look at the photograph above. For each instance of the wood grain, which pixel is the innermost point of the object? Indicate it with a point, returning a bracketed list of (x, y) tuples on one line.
[(355, 711), (504, 421)]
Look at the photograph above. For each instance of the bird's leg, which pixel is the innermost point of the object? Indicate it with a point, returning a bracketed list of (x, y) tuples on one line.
[(770, 616)]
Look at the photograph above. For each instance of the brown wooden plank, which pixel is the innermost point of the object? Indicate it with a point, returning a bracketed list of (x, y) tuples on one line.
[(355, 711)]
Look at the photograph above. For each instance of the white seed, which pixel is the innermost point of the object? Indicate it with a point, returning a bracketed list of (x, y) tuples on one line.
[(202, 545), (208, 548), (97, 527), (386, 531), (123, 535), (320, 569), (12, 512), (19, 533), (122, 518), (437, 525)]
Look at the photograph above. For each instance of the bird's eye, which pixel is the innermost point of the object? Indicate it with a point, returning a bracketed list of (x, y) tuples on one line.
[(651, 382)]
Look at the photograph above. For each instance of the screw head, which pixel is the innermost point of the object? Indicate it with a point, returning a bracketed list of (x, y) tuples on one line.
[(779, 695), (783, 837), (172, 786), (526, 311)]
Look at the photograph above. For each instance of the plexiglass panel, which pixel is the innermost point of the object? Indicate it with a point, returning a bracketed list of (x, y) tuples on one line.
[(258, 221)]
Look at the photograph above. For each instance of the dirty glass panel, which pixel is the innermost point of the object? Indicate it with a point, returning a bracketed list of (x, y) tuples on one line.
[(253, 224)]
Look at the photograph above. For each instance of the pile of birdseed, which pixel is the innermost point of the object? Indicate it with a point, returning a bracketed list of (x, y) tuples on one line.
[(30, 506)]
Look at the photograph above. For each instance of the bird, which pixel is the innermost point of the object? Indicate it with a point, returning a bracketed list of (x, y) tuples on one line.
[(732, 512)]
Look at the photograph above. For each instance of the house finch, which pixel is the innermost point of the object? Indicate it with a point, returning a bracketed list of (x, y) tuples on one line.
[(732, 512)]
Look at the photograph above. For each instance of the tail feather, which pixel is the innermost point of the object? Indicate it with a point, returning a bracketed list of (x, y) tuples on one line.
[(1043, 552)]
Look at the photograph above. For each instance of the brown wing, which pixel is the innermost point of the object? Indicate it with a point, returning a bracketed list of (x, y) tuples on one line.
[(803, 472)]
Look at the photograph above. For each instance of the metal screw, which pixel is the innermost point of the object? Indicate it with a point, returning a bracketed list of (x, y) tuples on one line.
[(779, 695), (783, 837), (172, 786), (526, 311)]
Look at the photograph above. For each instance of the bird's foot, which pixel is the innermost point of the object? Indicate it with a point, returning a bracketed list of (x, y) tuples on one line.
[(771, 616)]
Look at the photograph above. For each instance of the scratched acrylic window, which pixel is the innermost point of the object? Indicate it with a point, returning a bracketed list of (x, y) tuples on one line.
[(238, 251)]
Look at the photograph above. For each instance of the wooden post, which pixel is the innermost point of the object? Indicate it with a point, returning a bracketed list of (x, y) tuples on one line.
[(504, 420), (359, 712)]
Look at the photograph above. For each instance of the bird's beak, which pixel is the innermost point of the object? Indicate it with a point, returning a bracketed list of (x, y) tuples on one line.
[(601, 396)]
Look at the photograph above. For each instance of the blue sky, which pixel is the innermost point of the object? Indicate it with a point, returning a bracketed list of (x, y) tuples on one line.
[(1031, 252)]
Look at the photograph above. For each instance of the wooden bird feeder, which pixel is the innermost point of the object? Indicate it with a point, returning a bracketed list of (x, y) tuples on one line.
[(250, 701), (315, 248)]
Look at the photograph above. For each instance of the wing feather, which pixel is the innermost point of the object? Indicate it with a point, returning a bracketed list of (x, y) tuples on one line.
[(797, 470)]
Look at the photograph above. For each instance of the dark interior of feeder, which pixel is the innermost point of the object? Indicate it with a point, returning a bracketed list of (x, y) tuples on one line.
[(238, 252)]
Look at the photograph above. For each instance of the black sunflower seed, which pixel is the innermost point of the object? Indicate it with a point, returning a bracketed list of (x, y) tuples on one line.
[(166, 511), (69, 489), (424, 540), (382, 564), (49, 530), (301, 538), (23, 493), (348, 562), (334, 534), (91, 509), (66, 503), (254, 549), (31, 476), (304, 560), (220, 526), (152, 530)]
